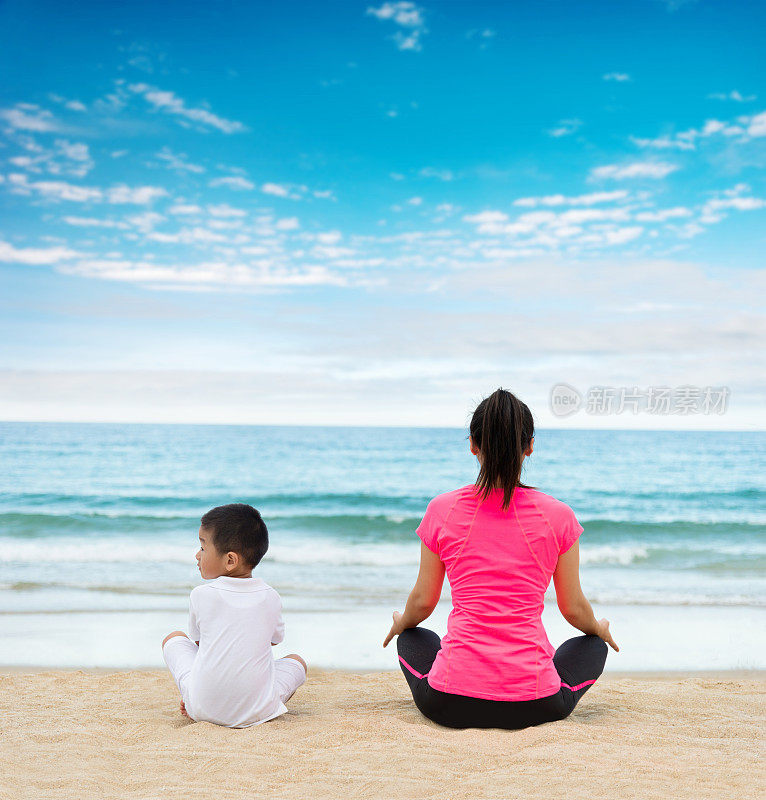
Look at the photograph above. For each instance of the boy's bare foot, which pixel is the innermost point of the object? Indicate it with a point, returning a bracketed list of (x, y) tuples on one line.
[(297, 658), (185, 712)]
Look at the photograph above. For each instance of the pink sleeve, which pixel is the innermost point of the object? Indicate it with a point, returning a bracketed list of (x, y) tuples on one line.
[(570, 530), (429, 528)]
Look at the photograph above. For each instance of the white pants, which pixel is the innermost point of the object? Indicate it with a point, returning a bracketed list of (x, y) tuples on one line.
[(180, 651)]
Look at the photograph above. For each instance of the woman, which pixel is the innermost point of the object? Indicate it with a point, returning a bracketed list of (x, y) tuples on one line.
[(499, 542)]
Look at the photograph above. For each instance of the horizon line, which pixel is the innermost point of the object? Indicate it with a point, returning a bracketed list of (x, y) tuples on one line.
[(382, 426)]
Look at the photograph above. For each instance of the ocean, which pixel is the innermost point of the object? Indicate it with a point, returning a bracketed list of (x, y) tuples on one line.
[(98, 532)]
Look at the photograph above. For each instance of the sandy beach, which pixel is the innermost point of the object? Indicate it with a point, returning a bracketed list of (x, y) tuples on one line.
[(99, 734)]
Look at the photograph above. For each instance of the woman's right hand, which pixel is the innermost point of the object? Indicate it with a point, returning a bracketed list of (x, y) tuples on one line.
[(603, 633), (396, 628)]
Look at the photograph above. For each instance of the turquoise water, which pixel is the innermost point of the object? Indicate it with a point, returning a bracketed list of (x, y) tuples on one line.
[(102, 519)]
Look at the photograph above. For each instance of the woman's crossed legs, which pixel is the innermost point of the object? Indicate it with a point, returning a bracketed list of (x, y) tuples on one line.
[(579, 662)]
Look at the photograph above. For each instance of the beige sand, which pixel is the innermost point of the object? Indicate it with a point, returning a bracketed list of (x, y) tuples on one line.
[(119, 735)]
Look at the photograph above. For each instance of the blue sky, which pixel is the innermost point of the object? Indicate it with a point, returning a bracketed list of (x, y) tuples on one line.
[(376, 213)]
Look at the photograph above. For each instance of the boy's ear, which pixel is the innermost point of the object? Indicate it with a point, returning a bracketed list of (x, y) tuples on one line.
[(232, 560)]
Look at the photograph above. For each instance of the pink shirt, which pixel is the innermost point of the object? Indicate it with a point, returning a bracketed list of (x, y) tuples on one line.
[(499, 564)]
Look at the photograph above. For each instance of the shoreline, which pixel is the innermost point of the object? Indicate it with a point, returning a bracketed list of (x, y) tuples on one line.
[(713, 638)]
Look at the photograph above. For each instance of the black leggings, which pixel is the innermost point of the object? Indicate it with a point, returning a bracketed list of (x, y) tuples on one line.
[(579, 662)]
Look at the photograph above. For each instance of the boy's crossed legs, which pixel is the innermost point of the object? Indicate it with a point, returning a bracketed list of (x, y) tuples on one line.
[(289, 676)]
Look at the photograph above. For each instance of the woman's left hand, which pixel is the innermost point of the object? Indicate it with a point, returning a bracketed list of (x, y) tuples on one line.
[(396, 628)]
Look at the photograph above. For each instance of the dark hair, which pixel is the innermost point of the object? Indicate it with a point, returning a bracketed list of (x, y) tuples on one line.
[(502, 428), (238, 528)]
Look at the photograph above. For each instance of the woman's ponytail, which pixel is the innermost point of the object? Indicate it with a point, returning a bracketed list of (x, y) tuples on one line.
[(502, 428)]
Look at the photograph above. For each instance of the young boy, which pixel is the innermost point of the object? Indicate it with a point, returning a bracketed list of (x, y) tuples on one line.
[(226, 672)]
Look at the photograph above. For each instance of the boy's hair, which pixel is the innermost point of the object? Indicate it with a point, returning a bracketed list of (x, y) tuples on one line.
[(238, 528)]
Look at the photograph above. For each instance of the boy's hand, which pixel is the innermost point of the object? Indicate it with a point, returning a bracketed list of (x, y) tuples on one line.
[(396, 628)]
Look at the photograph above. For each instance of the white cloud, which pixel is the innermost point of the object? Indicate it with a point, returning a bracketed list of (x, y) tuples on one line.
[(746, 127), (506, 253), (663, 214), (60, 190), (25, 162), (431, 172), (287, 224), (406, 15), (756, 125), (409, 41), (663, 143), (35, 256), (146, 221), (622, 235), (686, 140), (402, 13), (225, 210), (639, 169), (690, 230), (137, 195), (483, 35), (331, 253), (213, 273), (565, 127), (620, 77), (737, 190), (712, 210), (27, 142), (93, 222), (546, 231), (29, 117), (579, 200), (579, 215), (76, 157), (588, 227), (232, 182), (487, 218), (225, 224), (64, 158), (76, 151), (275, 189), (71, 105), (54, 190), (170, 103), (184, 208), (415, 201), (178, 162), (329, 237), (733, 95), (196, 235)]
